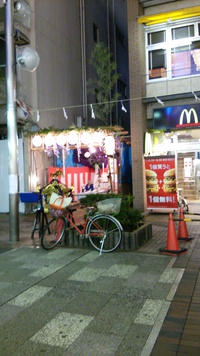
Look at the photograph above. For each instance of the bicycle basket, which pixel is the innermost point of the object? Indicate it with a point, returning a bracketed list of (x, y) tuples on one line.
[(56, 212), (109, 206)]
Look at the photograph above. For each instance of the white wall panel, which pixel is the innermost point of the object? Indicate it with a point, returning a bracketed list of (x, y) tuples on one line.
[(4, 172)]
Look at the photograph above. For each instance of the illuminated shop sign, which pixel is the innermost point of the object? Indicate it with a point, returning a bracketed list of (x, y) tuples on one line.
[(173, 117), (160, 182)]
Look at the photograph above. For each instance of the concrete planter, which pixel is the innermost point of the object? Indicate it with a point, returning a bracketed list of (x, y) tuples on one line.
[(131, 241)]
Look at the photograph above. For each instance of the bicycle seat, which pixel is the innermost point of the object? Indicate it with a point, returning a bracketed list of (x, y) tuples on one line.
[(90, 208)]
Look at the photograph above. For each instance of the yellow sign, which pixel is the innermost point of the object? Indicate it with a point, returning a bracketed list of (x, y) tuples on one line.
[(188, 114)]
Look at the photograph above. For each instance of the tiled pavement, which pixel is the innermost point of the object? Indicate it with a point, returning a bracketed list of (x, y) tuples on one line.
[(75, 302)]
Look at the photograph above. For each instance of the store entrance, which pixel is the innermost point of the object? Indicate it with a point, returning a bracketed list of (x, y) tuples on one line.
[(188, 174)]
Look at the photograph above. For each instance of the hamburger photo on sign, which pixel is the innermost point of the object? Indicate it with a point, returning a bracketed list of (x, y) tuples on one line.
[(169, 181), (151, 181)]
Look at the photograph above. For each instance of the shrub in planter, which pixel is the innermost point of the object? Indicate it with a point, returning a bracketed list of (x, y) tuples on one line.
[(129, 217)]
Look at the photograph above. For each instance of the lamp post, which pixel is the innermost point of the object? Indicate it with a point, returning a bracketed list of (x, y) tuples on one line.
[(28, 60), (11, 125)]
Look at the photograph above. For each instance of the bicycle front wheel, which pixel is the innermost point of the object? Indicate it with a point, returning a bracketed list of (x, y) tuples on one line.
[(184, 205), (104, 232), (53, 233)]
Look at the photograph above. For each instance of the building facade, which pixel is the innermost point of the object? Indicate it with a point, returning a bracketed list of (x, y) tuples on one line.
[(64, 33), (164, 47)]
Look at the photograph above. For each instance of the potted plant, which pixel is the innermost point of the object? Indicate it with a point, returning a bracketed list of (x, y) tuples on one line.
[(129, 217)]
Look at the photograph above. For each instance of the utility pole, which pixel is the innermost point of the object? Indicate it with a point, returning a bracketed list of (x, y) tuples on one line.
[(11, 124)]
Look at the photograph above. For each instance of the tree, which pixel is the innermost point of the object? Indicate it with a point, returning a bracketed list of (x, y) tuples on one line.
[(104, 84)]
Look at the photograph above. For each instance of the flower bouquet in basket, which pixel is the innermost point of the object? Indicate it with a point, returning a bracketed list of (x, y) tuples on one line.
[(55, 197), (58, 204)]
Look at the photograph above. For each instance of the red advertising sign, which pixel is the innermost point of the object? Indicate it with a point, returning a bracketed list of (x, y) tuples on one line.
[(161, 182)]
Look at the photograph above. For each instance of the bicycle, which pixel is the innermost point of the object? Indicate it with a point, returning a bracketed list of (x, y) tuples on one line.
[(182, 202), (103, 230)]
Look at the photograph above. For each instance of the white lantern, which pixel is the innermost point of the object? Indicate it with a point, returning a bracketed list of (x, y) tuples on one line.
[(49, 140), (97, 137), (37, 141), (109, 145), (61, 140), (85, 138), (73, 138)]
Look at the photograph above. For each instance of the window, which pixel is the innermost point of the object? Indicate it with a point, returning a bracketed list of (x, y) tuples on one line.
[(182, 32), (122, 88), (157, 63), (173, 52), (119, 35), (156, 37), (95, 33)]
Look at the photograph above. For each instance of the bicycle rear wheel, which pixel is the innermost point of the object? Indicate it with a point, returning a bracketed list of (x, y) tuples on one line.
[(53, 233), (184, 205), (104, 232)]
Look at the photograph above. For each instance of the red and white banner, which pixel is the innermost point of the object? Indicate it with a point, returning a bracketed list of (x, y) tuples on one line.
[(24, 107), (160, 178), (74, 176)]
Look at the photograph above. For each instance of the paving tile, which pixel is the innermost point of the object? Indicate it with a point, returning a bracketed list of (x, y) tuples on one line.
[(62, 330), (87, 274), (28, 297), (44, 291), (98, 344), (149, 312)]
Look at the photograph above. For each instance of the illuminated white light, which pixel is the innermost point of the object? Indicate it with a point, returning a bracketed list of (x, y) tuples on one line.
[(61, 140), (109, 145), (49, 140), (85, 138), (92, 149), (97, 137), (73, 138), (37, 141), (87, 154)]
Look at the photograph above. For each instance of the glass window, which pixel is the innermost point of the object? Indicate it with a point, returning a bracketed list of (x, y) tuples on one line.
[(195, 58), (182, 32), (157, 64), (95, 33), (119, 35), (156, 37), (121, 88), (180, 61), (157, 59), (173, 51)]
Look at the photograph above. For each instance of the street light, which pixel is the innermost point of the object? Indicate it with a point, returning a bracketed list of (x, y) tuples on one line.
[(28, 59), (21, 12)]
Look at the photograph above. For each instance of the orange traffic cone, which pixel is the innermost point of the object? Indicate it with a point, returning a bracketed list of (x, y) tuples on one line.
[(172, 248), (182, 229)]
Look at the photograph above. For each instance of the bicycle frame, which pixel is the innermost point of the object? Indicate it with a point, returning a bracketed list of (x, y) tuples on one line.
[(70, 218)]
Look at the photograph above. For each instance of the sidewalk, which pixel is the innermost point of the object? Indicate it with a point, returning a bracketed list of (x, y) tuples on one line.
[(75, 302)]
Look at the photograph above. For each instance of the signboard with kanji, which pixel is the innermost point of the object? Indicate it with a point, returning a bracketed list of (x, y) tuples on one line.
[(161, 182)]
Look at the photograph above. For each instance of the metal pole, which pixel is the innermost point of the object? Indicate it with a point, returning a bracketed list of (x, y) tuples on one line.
[(11, 125)]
